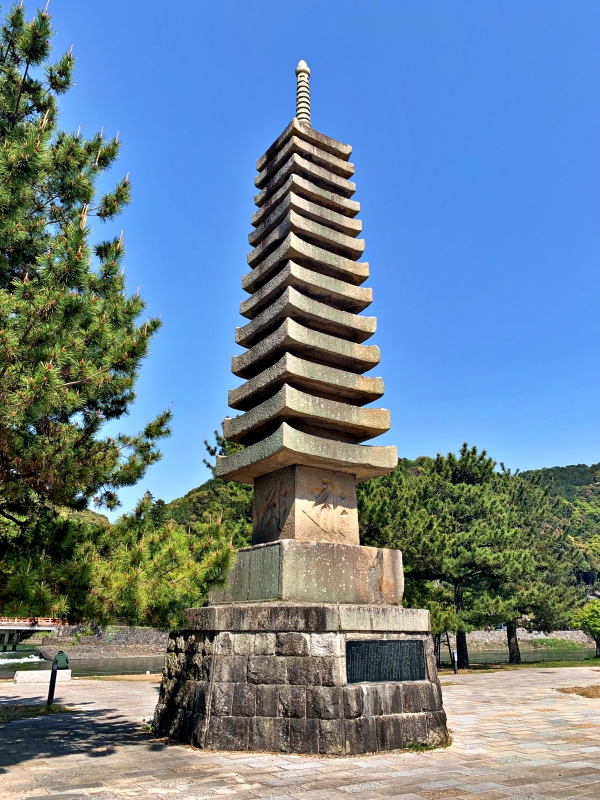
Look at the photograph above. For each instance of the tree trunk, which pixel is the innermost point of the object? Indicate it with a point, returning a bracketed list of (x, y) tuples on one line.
[(597, 647), (462, 651), (514, 654)]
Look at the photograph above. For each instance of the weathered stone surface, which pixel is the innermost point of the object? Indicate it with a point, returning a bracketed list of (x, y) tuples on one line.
[(312, 172), (310, 191), (339, 421), (316, 258), (308, 571), (315, 232), (309, 210), (311, 618), (320, 380), (316, 154), (287, 699), (303, 131), (342, 295), (291, 337), (312, 313), (287, 447)]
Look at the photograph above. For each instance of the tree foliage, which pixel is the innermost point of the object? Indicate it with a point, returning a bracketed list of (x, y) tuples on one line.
[(70, 342)]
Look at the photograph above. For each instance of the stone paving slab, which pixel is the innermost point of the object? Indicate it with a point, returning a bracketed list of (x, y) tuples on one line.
[(514, 735)]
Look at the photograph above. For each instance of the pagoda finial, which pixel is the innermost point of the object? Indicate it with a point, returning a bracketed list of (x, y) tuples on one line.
[(302, 93)]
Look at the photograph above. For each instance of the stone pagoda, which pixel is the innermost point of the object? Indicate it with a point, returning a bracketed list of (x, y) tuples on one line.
[(307, 648)]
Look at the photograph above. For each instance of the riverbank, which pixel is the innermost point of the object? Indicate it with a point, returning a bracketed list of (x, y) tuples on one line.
[(112, 642)]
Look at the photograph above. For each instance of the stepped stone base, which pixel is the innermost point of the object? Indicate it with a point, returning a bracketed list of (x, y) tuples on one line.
[(257, 687)]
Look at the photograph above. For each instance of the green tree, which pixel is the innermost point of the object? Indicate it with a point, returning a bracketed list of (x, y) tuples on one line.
[(144, 572), (70, 342), (588, 620), (449, 519)]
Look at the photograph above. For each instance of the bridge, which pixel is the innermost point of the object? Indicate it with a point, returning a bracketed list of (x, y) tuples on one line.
[(15, 629)]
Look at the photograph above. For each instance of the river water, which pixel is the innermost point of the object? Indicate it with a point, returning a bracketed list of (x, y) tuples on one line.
[(25, 658)]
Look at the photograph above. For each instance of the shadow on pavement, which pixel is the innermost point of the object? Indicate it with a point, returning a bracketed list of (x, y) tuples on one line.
[(95, 733)]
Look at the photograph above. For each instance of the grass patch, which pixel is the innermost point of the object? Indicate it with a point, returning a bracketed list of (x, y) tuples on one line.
[(14, 713), (586, 662), (542, 643), (582, 691)]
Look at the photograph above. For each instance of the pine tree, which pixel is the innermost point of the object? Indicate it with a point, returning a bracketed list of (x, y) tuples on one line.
[(70, 341), (451, 523)]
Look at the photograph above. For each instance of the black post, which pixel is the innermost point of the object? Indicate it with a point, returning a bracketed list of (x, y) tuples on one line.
[(52, 686), (455, 662)]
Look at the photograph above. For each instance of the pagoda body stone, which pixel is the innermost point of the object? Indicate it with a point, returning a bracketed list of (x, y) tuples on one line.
[(306, 648)]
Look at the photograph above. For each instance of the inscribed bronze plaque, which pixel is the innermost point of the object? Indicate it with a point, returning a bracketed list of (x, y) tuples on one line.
[(385, 660)]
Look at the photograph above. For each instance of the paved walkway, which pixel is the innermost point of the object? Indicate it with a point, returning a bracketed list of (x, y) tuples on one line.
[(514, 736)]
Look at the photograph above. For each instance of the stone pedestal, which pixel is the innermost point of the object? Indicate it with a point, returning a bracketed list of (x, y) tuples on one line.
[(274, 677), (305, 503)]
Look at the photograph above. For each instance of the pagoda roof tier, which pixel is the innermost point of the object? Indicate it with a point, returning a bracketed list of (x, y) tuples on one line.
[(293, 406), (315, 154), (310, 191), (343, 295), (317, 316), (303, 131), (301, 166), (309, 210), (309, 255), (319, 380), (288, 446), (321, 348), (311, 231)]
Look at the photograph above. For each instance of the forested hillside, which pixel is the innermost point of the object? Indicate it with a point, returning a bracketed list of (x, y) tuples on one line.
[(564, 481)]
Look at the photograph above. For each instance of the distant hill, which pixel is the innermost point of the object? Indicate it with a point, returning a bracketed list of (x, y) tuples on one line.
[(565, 481)]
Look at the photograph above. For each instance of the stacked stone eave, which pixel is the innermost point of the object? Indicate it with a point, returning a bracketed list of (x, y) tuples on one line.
[(305, 355)]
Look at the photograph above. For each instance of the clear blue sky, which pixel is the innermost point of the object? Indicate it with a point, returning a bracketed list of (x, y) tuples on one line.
[(476, 135)]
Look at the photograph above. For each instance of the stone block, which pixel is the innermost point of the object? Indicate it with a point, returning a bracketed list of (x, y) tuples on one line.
[(303, 670), (331, 671), (324, 702), (292, 644), (224, 644), (428, 696), (264, 644), (243, 644), (266, 669), (291, 570), (244, 700), (308, 504), (231, 669), (288, 446), (222, 699), (267, 701), (261, 734), (228, 733), (353, 701), (411, 697), (414, 729), (292, 701), (325, 644), (360, 735), (281, 734), (330, 737), (389, 732), (437, 732), (304, 735), (41, 676)]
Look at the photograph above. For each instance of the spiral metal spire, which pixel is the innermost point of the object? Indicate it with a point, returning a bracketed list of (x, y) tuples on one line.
[(303, 93)]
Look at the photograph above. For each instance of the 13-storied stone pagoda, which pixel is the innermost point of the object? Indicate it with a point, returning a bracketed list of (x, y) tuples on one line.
[(307, 649)]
